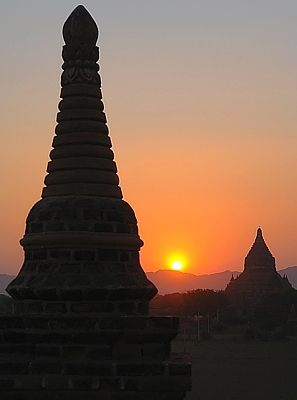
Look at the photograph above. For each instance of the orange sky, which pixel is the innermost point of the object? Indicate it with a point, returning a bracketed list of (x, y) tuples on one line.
[(201, 106)]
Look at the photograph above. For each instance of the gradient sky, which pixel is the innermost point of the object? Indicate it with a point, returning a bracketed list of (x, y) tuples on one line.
[(201, 100)]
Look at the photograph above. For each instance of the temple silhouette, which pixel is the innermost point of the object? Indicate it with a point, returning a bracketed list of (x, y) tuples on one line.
[(80, 327), (260, 291)]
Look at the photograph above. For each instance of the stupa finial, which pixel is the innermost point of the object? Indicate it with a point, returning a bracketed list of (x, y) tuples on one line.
[(82, 162), (80, 27)]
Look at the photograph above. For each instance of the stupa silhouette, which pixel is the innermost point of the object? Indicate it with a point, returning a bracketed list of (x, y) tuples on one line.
[(260, 290), (81, 326)]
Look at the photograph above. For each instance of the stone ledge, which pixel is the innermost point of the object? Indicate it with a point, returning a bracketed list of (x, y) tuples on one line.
[(91, 395), (65, 322), (82, 308), (90, 383), (82, 239)]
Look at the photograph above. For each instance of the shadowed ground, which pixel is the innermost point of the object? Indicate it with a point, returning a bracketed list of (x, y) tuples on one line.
[(230, 368)]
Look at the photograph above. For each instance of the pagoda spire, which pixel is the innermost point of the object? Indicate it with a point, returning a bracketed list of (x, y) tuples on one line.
[(81, 159), (259, 255)]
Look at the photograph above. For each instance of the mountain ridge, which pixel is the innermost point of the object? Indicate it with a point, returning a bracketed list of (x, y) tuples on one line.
[(170, 281), (5, 279)]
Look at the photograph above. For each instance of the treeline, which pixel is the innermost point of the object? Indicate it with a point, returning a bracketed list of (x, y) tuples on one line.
[(214, 305), (207, 301)]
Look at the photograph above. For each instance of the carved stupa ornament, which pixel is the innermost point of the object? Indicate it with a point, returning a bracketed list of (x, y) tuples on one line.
[(81, 240), (80, 54)]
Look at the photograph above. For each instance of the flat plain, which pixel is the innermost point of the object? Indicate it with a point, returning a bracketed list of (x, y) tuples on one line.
[(230, 368)]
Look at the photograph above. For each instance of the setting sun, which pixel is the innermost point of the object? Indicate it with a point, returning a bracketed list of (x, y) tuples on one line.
[(177, 261), (177, 265)]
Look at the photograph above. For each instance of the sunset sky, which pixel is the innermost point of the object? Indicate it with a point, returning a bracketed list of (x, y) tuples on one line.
[(201, 102)]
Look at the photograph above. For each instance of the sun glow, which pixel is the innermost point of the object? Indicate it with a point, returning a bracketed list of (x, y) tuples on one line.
[(177, 265), (176, 261)]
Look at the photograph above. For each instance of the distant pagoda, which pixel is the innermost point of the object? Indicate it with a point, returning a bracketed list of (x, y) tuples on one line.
[(81, 327), (260, 287)]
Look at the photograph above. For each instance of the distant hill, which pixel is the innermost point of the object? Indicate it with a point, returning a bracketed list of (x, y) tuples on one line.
[(5, 304), (169, 281), (4, 281), (291, 272)]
